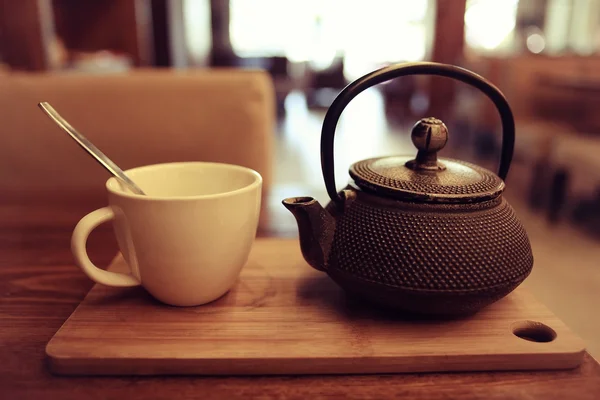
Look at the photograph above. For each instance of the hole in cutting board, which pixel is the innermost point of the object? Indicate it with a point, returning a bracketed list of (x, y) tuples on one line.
[(533, 331)]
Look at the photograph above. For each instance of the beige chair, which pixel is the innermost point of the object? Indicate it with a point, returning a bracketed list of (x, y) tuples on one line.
[(138, 118)]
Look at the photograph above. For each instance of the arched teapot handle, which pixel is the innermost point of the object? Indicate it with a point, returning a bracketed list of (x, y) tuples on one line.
[(418, 68)]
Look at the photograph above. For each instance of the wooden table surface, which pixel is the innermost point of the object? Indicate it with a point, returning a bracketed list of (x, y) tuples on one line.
[(40, 287)]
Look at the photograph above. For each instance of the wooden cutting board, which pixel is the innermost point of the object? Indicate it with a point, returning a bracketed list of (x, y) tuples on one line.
[(283, 317)]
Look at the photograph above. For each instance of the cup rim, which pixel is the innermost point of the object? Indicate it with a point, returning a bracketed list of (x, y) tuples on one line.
[(112, 182)]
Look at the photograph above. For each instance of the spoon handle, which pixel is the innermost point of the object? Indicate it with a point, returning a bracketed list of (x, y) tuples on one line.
[(89, 147)]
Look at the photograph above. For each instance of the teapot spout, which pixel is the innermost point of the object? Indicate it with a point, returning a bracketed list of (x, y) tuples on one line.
[(315, 226)]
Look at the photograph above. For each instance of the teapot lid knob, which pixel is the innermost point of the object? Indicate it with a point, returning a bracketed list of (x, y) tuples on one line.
[(429, 136)]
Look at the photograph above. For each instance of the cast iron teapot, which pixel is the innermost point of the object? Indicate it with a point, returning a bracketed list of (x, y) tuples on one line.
[(423, 234)]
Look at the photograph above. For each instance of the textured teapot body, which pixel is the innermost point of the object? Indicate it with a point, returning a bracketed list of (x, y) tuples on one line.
[(418, 233), (441, 259)]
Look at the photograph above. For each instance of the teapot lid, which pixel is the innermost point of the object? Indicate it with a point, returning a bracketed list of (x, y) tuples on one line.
[(425, 178)]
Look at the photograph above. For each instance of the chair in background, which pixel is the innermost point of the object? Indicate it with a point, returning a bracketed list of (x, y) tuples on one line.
[(138, 118), (575, 181)]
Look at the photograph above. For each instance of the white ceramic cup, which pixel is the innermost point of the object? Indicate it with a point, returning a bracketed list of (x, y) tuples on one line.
[(187, 240)]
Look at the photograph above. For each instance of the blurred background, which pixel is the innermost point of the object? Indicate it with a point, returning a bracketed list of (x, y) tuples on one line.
[(543, 54)]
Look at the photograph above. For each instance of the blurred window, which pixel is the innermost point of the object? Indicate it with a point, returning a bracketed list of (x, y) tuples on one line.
[(365, 33), (490, 24), (532, 26)]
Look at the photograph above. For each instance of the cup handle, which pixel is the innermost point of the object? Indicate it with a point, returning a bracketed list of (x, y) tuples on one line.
[(78, 248)]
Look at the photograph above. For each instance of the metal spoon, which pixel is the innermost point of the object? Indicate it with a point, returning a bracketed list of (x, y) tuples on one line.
[(90, 148)]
